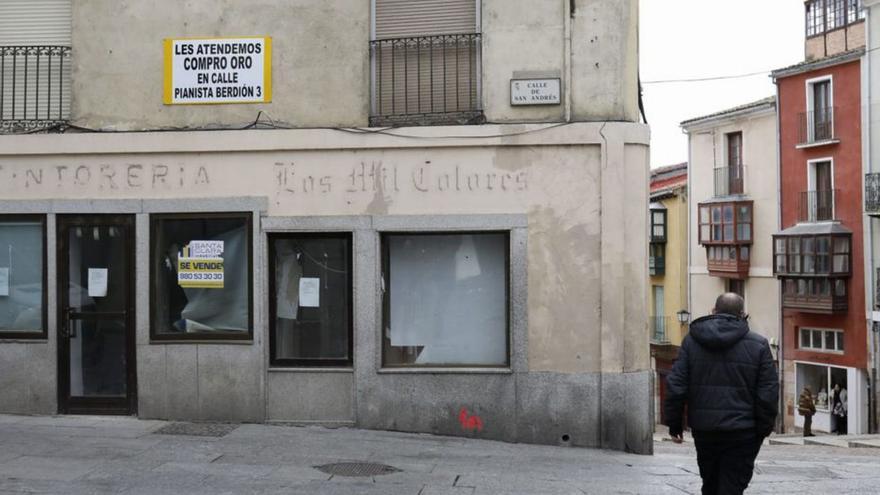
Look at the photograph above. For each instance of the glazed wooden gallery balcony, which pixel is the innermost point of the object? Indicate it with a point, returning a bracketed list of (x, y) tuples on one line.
[(726, 233), (815, 268)]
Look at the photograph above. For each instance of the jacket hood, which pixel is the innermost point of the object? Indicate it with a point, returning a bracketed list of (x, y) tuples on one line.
[(717, 332)]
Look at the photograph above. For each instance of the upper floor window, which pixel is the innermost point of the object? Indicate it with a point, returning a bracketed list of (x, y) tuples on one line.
[(726, 223), (658, 223), (729, 179), (425, 62), (34, 64), (817, 123), (828, 15)]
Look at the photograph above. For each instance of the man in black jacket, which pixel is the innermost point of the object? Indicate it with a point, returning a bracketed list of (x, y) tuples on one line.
[(726, 376)]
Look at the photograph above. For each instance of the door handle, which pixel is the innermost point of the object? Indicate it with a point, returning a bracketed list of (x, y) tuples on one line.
[(67, 329)]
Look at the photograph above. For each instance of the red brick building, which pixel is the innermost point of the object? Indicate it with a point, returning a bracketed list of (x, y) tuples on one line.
[(818, 251)]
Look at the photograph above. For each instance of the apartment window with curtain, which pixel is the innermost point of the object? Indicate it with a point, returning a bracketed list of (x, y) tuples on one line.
[(425, 62)]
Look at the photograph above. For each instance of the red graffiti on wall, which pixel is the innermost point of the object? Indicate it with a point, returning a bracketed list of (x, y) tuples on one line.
[(468, 422)]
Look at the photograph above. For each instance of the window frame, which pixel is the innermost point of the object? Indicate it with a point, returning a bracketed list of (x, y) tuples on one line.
[(734, 223), (44, 316), (317, 364), (385, 294), (213, 337), (787, 254), (823, 335), (663, 224), (819, 10)]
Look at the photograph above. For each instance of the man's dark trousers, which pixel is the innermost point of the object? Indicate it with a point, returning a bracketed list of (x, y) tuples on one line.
[(726, 460)]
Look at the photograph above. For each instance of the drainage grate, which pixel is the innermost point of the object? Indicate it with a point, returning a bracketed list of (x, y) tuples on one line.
[(197, 429), (357, 469)]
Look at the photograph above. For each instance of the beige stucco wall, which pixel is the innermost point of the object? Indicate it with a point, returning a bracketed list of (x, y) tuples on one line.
[(707, 149), (587, 223), (321, 60)]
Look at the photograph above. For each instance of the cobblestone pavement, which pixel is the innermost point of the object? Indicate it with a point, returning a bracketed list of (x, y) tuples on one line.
[(80, 455)]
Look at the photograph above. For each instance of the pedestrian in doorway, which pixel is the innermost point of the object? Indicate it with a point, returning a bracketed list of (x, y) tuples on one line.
[(839, 408), (807, 409), (726, 377)]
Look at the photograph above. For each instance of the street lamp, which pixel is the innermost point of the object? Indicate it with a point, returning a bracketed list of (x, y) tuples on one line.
[(683, 316)]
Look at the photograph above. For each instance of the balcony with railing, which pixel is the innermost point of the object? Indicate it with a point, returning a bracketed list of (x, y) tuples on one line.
[(817, 206), (872, 194), (426, 80), (729, 180), (659, 327), (34, 87), (657, 259), (816, 127)]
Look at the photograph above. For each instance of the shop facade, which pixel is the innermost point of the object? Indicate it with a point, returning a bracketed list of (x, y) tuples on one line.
[(379, 282), (417, 219)]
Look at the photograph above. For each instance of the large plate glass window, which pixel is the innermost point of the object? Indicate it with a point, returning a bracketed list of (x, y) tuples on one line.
[(22, 277), (445, 299), (201, 280), (310, 299)]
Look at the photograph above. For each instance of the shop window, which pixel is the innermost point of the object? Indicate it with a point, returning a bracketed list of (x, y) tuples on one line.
[(310, 299), (201, 279), (22, 277), (821, 340), (445, 299), (821, 381)]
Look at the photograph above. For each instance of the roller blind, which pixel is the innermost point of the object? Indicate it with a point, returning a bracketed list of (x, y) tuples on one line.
[(404, 18), (35, 22)]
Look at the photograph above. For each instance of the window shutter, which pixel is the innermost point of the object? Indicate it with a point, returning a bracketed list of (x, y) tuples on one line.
[(34, 83), (35, 22), (405, 18), (433, 71)]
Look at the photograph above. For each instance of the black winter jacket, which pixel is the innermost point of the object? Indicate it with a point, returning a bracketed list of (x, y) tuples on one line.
[(726, 376)]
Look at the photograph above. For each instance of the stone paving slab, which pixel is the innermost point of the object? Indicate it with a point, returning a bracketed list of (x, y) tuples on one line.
[(74, 455)]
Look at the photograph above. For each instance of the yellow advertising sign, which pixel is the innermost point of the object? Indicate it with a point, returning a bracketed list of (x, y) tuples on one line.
[(217, 70), (200, 273)]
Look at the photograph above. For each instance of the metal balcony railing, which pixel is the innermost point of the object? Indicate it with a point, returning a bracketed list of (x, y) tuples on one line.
[(872, 194), (659, 326), (729, 180), (656, 264), (817, 206), (34, 87), (426, 80), (816, 126)]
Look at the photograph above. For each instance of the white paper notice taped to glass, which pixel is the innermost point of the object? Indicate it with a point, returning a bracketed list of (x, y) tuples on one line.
[(4, 282), (309, 292), (97, 282)]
